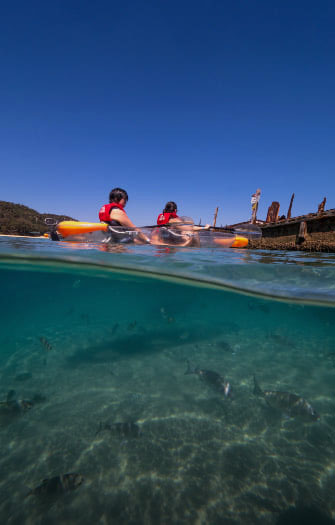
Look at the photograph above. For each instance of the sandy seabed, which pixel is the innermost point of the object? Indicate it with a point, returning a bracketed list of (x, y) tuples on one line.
[(199, 459)]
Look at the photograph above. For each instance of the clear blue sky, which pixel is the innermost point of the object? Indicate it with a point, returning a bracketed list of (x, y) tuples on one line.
[(197, 102)]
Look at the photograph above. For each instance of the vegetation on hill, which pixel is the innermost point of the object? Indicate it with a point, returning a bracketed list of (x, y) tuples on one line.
[(17, 219)]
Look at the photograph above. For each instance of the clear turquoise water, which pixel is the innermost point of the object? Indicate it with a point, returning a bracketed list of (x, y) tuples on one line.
[(104, 336)]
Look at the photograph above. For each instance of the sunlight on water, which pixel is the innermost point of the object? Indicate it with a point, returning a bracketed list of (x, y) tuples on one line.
[(94, 350)]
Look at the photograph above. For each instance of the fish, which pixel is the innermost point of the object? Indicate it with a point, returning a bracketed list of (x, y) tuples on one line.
[(85, 318), (12, 406), (291, 404), (282, 340), (126, 430), (115, 328), (213, 379), (57, 485), (23, 376), (25, 404), (10, 395), (45, 343), (226, 347), (38, 398), (331, 357), (163, 312), (168, 318), (258, 306)]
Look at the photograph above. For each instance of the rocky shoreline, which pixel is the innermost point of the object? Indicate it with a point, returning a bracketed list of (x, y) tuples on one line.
[(315, 242)]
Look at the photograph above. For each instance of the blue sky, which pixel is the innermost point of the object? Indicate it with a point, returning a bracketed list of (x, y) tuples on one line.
[(197, 102)]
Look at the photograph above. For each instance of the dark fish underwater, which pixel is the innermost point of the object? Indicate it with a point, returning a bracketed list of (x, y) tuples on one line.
[(13, 406), (45, 344), (291, 404), (126, 430), (212, 379), (57, 485), (23, 376)]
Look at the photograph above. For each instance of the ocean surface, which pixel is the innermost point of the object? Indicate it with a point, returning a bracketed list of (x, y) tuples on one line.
[(95, 343)]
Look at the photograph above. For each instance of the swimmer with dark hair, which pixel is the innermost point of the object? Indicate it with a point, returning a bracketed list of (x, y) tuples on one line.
[(122, 229), (174, 230)]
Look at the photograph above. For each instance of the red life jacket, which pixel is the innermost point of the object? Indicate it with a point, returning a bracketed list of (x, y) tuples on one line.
[(105, 210), (163, 218)]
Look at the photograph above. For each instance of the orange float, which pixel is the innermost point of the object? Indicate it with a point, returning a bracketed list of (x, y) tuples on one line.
[(68, 228), (240, 242)]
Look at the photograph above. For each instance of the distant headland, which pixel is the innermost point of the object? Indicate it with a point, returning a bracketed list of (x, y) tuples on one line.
[(17, 219)]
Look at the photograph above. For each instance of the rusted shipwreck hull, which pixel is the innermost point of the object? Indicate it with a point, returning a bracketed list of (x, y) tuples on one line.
[(313, 232), (315, 223)]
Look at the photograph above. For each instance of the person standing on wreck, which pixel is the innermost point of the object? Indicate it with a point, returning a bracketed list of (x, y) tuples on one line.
[(115, 216)]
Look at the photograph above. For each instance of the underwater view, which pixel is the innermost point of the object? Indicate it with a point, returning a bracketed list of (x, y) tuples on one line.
[(144, 385)]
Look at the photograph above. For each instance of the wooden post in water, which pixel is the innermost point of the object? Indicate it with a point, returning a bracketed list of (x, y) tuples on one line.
[(273, 212), (302, 235), (321, 207), (290, 207), (215, 216)]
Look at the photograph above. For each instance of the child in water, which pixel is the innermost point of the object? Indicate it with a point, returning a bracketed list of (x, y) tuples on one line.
[(115, 216), (180, 232)]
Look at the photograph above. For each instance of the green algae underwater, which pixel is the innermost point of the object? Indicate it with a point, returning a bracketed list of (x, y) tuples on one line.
[(93, 361)]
